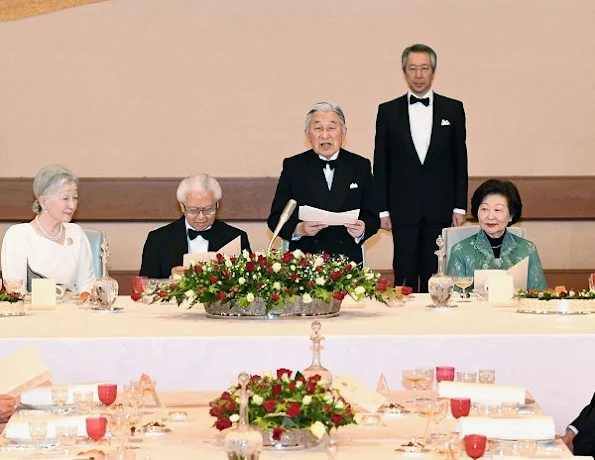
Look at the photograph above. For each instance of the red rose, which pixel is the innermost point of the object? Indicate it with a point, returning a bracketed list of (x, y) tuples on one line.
[(215, 267), (277, 432), (162, 293), (225, 395), (228, 275), (233, 260), (319, 268), (276, 389), (136, 296), (269, 405), (303, 261), (335, 275), (221, 295), (282, 371), (262, 261), (220, 258), (287, 291), (293, 276), (339, 295), (310, 387), (315, 378), (222, 424), (270, 269), (293, 410), (275, 297), (325, 257), (347, 268), (292, 386), (311, 284), (214, 412), (287, 257), (337, 419), (254, 377), (213, 279), (197, 269), (406, 290), (250, 266), (326, 409)]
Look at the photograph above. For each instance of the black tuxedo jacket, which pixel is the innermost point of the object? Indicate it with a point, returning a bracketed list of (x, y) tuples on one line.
[(584, 441), (303, 180), (166, 246), (407, 189)]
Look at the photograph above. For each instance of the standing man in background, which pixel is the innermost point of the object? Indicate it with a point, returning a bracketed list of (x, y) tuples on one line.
[(420, 168)]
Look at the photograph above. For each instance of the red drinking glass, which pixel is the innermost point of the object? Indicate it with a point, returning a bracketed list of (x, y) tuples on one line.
[(139, 283), (96, 427), (475, 445), (460, 407), (107, 393), (445, 373)]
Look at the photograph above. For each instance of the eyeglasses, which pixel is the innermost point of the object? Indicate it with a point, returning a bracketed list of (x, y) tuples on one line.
[(210, 211)]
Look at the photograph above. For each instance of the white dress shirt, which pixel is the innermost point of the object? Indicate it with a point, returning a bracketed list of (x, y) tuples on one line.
[(198, 245)]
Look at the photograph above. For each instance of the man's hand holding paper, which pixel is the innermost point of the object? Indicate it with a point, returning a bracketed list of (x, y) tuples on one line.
[(321, 216)]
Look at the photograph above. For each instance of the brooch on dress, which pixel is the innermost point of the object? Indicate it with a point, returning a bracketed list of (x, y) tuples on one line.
[(69, 241)]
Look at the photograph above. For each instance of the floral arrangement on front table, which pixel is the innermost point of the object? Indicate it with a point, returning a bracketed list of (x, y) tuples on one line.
[(285, 402), (10, 297), (276, 277), (556, 294)]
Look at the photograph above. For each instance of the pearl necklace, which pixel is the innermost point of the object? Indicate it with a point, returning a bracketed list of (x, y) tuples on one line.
[(46, 234)]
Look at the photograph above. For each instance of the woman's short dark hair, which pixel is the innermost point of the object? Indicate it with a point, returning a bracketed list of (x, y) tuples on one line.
[(499, 187)]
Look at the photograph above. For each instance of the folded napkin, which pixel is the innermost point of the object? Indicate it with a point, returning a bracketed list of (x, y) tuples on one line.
[(534, 428), (17, 427), (42, 396), (485, 393)]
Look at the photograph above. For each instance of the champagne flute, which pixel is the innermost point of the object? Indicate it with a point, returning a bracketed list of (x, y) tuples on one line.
[(463, 282)]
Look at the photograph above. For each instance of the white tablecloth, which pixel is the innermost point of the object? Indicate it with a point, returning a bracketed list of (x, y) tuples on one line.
[(183, 350)]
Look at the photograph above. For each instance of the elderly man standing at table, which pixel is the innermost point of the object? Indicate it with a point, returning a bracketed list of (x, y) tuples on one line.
[(420, 168), (197, 231), (329, 178)]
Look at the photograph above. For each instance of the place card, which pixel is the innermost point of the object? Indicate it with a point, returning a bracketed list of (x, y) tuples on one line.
[(357, 393), (500, 290), (43, 294), (22, 370)]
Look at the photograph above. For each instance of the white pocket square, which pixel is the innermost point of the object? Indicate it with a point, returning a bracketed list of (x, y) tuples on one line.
[(352, 186), (444, 122)]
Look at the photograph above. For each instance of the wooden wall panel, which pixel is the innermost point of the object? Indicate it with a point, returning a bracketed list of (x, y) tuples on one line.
[(249, 199)]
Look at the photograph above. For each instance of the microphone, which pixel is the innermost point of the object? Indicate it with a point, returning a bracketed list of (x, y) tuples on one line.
[(285, 215)]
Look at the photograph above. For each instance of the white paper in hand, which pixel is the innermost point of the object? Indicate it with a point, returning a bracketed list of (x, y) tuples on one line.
[(311, 214), (233, 248)]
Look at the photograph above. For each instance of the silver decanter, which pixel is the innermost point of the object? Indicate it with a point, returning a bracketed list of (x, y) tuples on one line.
[(105, 288), (440, 285)]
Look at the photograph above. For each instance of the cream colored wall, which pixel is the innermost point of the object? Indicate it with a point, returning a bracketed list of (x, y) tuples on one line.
[(166, 88)]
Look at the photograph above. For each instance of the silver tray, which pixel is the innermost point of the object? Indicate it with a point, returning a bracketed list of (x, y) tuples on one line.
[(445, 307), (554, 312), (270, 316), (12, 313), (257, 310)]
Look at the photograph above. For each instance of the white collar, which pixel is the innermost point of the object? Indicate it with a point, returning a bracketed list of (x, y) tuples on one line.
[(334, 157), (188, 226)]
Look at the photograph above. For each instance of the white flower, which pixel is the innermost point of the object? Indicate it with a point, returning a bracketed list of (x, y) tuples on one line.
[(318, 429), (257, 400), (277, 286), (349, 276), (339, 405), (268, 373), (276, 267), (292, 266), (250, 297), (245, 253), (241, 280), (571, 293), (307, 400), (318, 261), (353, 264), (359, 290), (285, 378), (328, 398), (177, 277), (298, 254), (370, 276), (190, 294), (299, 384), (306, 298), (320, 281), (228, 264), (234, 418)]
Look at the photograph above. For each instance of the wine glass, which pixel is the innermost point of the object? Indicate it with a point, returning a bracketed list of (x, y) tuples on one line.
[(139, 283), (107, 393), (463, 282), (440, 410), (119, 427), (96, 427), (475, 445), (38, 429), (59, 396), (460, 407), (454, 445), (467, 377), (66, 435), (486, 376), (445, 373), (83, 401)]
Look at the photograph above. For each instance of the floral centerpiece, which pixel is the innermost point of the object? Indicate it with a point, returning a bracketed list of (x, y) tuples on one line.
[(273, 279), (10, 297), (285, 403), (559, 300), (556, 294), (11, 304)]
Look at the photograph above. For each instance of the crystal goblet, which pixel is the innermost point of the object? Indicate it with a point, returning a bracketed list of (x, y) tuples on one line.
[(96, 428), (445, 373), (460, 407), (66, 435), (38, 429), (107, 393), (475, 445)]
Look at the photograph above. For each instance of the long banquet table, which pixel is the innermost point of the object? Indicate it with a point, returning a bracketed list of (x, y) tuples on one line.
[(185, 351)]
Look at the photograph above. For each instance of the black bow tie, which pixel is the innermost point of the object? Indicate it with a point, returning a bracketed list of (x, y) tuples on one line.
[(330, 163), (424, 100), (192, 234)]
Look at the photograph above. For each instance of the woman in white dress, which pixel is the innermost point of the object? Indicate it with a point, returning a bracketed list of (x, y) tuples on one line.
[(50, 246)]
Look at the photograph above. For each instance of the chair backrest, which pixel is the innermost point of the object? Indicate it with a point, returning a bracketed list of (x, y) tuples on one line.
[(452, 235), (96, 239)]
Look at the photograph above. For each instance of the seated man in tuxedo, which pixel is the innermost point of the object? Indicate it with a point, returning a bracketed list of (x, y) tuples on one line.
[(329, 178), (196, 231), (580, 434)]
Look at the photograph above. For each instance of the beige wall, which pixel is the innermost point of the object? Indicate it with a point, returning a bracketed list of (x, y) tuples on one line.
[(165, 88)]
